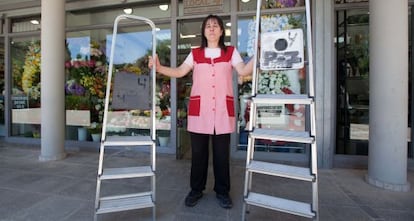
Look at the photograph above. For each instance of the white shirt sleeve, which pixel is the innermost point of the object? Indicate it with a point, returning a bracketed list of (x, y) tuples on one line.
[(236, 58), (189, 60)]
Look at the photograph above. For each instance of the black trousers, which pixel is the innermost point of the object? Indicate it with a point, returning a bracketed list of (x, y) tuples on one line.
[(200, 159)]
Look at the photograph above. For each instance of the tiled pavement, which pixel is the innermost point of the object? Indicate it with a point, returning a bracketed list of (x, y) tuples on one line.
[(65, 191)]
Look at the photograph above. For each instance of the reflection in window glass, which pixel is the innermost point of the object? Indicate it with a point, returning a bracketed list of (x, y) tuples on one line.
[(286, 117), (87, 66)]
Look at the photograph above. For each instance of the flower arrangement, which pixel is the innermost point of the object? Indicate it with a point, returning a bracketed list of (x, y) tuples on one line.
[(87, 78), (281, 3), (273, 82), (31, 72)]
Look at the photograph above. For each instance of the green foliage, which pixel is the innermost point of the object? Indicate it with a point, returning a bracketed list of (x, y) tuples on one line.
[(95, 128), (74, 102), (163, 52), (163, 133)]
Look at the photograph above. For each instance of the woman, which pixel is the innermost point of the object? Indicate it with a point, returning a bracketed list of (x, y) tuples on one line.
[(211, 107)]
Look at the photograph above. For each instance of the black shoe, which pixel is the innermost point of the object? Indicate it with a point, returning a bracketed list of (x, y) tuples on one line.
[(192, 198), (224, 201)]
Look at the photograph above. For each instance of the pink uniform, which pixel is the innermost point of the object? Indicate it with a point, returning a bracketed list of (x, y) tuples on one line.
[(211, 106)]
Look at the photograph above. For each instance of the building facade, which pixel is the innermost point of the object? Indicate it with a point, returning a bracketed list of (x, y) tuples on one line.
[(343, 35)]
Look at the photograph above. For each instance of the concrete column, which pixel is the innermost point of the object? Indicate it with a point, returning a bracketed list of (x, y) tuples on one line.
[(52, 80), (325, 78), (388, 78)]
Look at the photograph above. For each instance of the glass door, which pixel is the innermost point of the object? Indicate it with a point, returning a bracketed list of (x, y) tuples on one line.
[(352, 82), (189, 36)]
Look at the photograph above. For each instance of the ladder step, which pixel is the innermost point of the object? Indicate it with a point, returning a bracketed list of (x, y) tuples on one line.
[(125, 202), (128, 140), (280, 204), (282, 135), (273, 169), (126, 172), (282, 99)]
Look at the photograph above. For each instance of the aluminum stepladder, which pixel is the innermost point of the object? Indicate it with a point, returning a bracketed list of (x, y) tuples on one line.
[(308, 174), (130, 201)]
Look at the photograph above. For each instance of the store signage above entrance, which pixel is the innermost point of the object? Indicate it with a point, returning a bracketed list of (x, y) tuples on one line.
[(192, 7)]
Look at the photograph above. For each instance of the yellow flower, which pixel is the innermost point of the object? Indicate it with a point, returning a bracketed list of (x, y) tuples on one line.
[(31, 70)]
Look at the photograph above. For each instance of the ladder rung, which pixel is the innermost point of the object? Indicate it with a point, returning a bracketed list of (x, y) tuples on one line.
[(273, 169), (128, 140), (280, 204), (282, 135), (126, 172), (125, 202), (282, 99)]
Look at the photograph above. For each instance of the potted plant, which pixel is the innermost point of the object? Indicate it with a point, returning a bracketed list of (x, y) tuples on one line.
[(163, 137), (95, 130)]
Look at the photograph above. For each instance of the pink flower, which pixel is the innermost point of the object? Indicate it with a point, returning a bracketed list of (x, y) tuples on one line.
[(68, 64)]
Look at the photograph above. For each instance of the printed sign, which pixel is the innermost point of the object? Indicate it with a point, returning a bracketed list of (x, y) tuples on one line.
[(20, 102), (131, 91), (282, 50), (202, 6)]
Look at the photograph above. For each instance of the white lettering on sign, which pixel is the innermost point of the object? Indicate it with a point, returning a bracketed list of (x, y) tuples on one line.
[(20, 102)]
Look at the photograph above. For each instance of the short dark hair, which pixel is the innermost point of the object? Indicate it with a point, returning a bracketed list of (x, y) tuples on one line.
[(203, 26)]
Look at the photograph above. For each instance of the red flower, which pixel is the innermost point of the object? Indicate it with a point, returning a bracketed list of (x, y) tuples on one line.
[(288, 91)]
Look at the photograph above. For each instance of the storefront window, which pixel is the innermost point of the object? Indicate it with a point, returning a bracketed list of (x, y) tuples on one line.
[(86, 72), (250, 5), (86, 69), (25, 59), (286, 117)]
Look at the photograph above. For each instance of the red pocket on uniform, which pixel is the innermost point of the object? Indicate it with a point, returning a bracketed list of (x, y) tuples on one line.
[(194, 106), (230, 105)]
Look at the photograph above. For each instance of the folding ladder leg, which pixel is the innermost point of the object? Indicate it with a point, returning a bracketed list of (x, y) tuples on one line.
[(248, 175), (153, 180), (98, 180)]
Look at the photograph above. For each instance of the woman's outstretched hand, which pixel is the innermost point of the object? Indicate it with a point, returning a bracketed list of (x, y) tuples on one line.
[(182, 70), (152, 60)]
